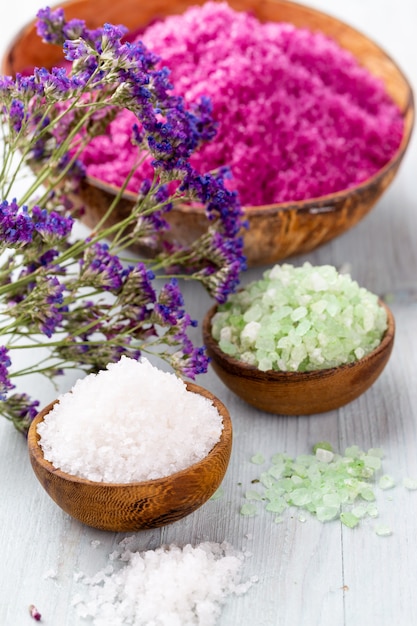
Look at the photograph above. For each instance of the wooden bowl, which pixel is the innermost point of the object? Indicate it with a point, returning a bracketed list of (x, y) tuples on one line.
[(135, 506), (299, 393), (276, 231)]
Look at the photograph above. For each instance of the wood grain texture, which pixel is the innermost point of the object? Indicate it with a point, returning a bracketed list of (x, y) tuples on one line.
[(299, 393), (135, 506), (275, 231)]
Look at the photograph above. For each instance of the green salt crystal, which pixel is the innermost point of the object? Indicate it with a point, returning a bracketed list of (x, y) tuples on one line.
[(349, 519), (251, 494), (258, 459), (376, 452), (353, 452), (372, 510), (323, 445), (373, 462), (327, 513), (219, 493), (253, 314), (267, 480), (359, 511), (302, 518), (276, 470), (298, 313), (300, 496), (386, 482), (279, 519), (410, 483), (325, 456), (228, 347), (248, 509), (277, 506), (367, 494), (383, 531), (331, 499)]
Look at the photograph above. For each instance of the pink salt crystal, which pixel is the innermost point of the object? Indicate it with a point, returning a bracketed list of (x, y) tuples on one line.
[(298, 117)]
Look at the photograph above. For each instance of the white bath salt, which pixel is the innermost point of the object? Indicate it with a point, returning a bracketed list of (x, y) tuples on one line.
[(169, 586), (129, 423)]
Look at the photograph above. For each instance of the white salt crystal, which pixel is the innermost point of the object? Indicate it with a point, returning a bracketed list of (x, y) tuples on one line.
[(129, 423), (170, 585)]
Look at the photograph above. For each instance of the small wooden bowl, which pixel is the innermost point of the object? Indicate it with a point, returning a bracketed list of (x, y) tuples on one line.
[(276, 231), (135, 506), (299, 393)]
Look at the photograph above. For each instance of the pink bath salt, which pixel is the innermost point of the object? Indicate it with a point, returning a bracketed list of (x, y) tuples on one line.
[(297, 116)]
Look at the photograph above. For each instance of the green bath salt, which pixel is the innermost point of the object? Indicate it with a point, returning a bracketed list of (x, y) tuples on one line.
[(300, 319)]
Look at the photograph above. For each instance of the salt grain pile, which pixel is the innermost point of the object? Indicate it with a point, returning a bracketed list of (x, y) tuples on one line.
[(129, 423), (300, 319), (298, 117), (169, 586)]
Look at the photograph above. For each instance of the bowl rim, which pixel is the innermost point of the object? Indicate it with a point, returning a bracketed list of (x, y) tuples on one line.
[(251, 371), (226, 438)]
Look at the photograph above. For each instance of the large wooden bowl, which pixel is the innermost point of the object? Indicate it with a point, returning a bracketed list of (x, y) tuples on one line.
[(135, 506), (299, 393), (275, 231)]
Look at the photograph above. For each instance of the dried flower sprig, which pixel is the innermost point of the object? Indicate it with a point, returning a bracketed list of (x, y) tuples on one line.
[(83, 303)]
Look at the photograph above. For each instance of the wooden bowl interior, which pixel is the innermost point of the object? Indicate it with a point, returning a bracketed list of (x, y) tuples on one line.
[(135, 506), (299, 393), (276, 231)]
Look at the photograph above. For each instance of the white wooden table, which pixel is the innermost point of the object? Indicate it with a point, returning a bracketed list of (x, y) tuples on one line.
[(310, 574)]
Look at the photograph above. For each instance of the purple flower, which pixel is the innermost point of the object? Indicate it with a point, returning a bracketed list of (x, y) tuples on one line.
[(51, 225), (101, 269), (17, 114), (5, 362), (16, 226)]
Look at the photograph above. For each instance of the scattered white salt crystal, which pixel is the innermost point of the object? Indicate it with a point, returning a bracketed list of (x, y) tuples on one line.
[(95, 543), (129, 423), (167, 586), (51, 574)]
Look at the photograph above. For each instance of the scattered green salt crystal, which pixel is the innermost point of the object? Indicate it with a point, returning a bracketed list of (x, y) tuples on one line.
[(372, 510), (276, 506), (323, 445), (367, 494), (267, 480), (372, 462), (300, 497), (359, 511), (349, 519), (327, 513), (321, 488), (258, 459), (219, 493), (386, 482), (410, 483), (248, 509), (251, 494), (383, 531), (279, 519)]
